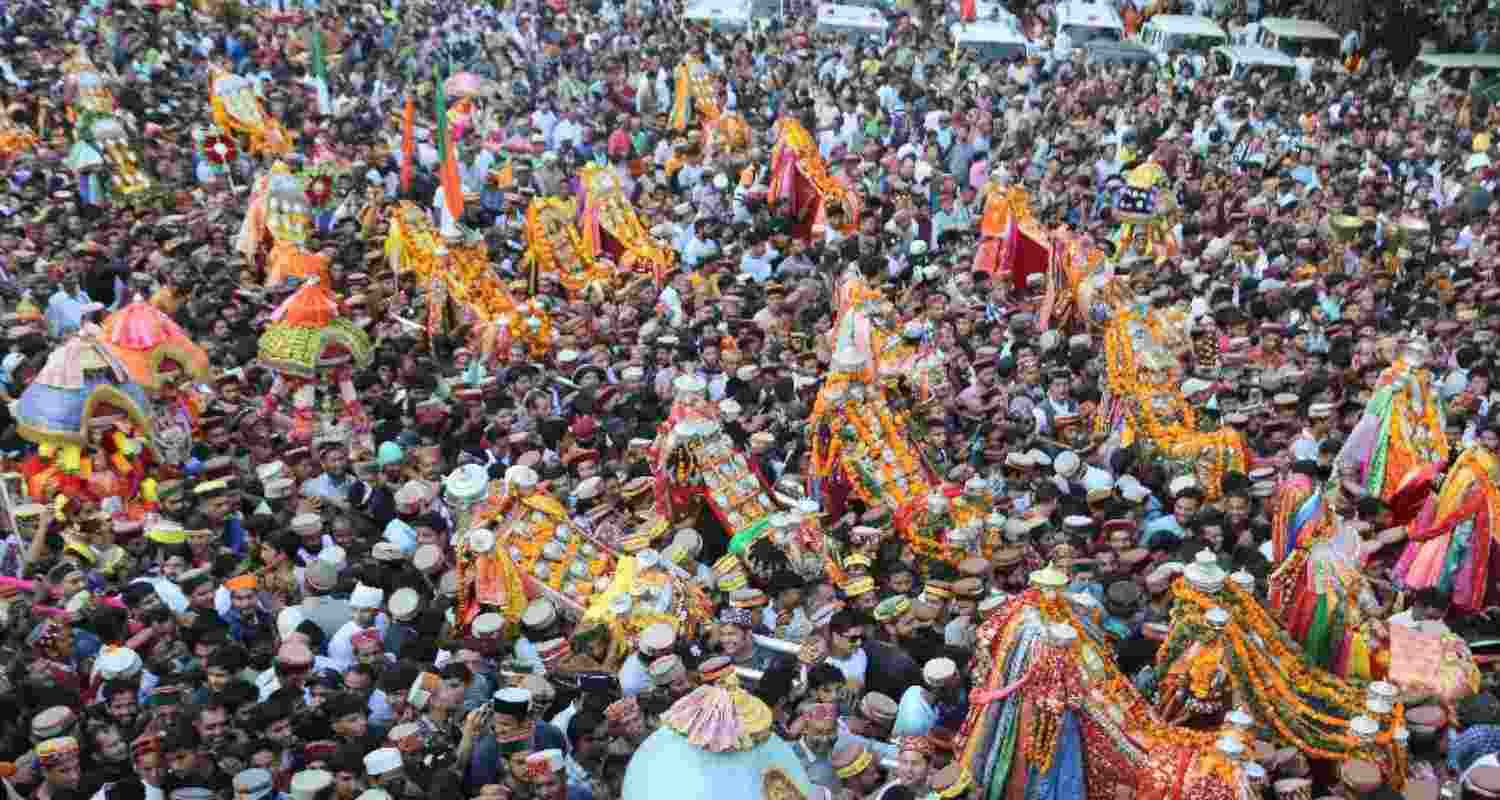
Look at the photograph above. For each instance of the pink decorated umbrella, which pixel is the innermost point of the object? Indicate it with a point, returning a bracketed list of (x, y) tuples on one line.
[(154, 349), (467, 84)]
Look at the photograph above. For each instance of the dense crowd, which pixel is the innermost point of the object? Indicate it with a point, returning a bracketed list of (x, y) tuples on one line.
[(289, 616)]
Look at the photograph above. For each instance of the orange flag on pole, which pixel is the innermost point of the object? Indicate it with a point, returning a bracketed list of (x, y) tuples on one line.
[(408, 142)]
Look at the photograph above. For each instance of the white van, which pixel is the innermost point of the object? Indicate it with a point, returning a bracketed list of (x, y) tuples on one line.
[(855, 22), (985, 11), (1299, 38), (1164, 33), (730, 16), (1248, 61), (1089, 22), (989, 41), (1434, 72)]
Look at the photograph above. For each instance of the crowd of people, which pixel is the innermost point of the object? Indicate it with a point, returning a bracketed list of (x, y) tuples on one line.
[(297, 615)]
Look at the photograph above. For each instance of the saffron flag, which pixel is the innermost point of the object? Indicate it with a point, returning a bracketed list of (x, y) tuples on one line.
[(408, 142), (453, 198)]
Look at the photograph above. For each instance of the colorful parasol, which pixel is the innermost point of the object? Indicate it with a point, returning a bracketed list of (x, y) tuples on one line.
[(153, 348), (306, 335), (81, 380)]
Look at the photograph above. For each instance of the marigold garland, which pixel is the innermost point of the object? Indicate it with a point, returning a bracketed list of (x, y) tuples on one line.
[(1302, 705)]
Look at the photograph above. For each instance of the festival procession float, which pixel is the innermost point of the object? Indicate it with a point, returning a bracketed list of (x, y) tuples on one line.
[(555, 247), (802, 191), (452, 268), (645, 589), (277, 224), (1144, 207), (1145, 352), (162, 360), (703, 479), (1449, 544), (1051, 716), (695, 94), (522, 542), (1400, 444), (1228, 664), (1012, 244), (102, 157), (612, 230), (1321, 595), (717, 743), (16, 139), (313, 350), (92, 425), (235, 108)]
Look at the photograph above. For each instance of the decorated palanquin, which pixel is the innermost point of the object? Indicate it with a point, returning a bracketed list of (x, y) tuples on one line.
[(236, 110), (533, 531), (863, 319), (102, 155), (642, 592), (15, 138), (92, 424), (554, 246), (1450, 542), (611, 229), (861, 447), (696, 92), (693, 91), (455, 271), (1051, 716), (801, 186), (165, 362), (1318, 589), (1403, 428), (1224, 650), (1073, 258), (1011, 242), (698, 468), (1145, 350), (309, 346), (1144, 208), (278, 222)]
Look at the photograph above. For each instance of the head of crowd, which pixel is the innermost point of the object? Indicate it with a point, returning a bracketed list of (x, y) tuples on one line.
[(602, 400)]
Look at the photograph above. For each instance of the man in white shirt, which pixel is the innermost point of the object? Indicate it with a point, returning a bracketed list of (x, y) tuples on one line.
[(654, 641)]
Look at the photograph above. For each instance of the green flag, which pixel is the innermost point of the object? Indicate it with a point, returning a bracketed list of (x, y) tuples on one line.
[(319, 68)]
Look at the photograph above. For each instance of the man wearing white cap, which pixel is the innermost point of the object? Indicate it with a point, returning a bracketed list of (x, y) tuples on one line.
[(364, 604), (1305, 447), (923, 707)]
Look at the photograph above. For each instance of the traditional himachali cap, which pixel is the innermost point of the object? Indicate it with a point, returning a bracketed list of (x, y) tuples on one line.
[(57, 751), (252, 784), (850, 759), (52, 722), (666, 669), (657, 638), (859, 586), (939, 671), (715, 669), (544, 762), (513, 701), (115, 663), (309, 782), (382, 761), (892, 608), (540, 614), (366, 597), (487, 625), (624, 710)]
